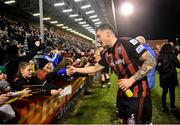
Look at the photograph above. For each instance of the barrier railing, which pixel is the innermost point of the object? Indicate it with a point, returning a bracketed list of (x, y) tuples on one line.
[(43, 109)]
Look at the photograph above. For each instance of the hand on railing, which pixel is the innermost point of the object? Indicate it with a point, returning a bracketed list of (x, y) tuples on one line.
[(4, 98)]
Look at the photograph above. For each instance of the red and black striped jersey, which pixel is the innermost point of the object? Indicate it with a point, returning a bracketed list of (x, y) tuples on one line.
[(124, 58)]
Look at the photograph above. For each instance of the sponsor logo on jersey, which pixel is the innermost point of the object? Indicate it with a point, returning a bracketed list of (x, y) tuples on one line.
[(139, 49), (117, 62), (133, 41)]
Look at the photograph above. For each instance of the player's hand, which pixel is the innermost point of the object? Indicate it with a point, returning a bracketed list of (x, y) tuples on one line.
[(124, 84), (72, 69), (68, 72)]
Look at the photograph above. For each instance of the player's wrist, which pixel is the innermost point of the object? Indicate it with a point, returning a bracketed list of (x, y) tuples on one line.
[(76, 70), (133, 80)]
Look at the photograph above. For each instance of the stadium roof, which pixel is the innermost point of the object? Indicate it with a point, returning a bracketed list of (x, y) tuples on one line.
[(154, 19)]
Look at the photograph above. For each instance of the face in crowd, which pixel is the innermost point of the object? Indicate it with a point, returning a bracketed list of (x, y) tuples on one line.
[(3, 74), (26, 70), (48, 67)]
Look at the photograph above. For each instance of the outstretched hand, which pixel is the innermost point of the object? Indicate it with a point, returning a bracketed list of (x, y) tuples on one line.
[(26, 91), (4, 98)]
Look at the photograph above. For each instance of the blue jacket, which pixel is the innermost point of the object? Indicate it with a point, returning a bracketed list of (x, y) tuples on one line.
[(151, 74), (55, 59)]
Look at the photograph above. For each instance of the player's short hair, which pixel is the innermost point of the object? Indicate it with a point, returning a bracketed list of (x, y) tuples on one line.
[(105, 27)]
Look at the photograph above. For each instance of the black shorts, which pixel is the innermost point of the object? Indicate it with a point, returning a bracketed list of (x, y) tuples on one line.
[(141, 107)]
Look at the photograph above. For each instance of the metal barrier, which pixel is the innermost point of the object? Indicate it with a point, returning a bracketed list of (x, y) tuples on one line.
[(43, 109)]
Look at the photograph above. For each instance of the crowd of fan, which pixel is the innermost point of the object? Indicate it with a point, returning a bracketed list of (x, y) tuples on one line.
[(25, 62)]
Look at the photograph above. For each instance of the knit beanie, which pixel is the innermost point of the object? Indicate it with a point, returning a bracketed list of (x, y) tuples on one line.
[(3, 69), (3, 85)]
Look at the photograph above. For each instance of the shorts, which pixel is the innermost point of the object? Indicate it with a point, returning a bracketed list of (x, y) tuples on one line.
[(140, 108)]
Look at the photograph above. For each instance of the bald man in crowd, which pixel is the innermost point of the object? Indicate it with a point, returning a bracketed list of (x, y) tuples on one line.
[(150, 75)]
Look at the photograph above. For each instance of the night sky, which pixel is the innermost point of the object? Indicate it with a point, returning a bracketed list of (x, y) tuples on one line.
[(154, 19)]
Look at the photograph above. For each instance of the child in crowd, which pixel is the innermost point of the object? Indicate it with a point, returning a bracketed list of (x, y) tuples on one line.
[(25, 78)]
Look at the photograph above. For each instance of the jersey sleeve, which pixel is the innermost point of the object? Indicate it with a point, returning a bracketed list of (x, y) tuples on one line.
[(136, 48)]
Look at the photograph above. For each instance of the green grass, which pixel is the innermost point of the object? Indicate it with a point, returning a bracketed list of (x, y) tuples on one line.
[(158, 115), (98, 107)]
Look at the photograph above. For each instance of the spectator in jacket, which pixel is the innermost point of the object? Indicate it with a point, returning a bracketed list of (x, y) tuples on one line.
[(25, 78), (151, 74), (166, 65)]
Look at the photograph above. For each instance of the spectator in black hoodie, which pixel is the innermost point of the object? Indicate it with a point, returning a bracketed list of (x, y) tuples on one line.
[(166, 65)]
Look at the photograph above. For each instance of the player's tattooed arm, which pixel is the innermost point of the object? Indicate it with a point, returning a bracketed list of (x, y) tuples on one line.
[(149, 63)]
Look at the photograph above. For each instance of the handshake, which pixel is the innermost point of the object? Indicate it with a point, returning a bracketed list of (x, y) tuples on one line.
[(71, 70), (124, 84)]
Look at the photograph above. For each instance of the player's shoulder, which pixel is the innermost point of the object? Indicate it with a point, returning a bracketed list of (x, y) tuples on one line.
[(133, 41), (128, 40)]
